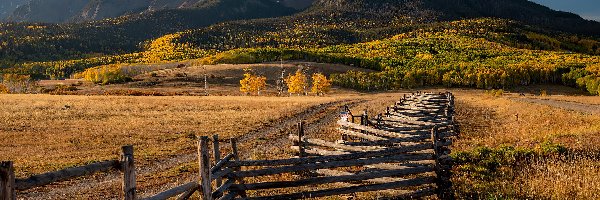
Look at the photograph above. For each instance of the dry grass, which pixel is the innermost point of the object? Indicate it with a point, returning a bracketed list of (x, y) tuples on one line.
[(492, 122), (570, 179), (44, 133)]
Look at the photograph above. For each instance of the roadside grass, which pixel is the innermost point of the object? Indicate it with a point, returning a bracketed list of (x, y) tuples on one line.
[(516, 150)]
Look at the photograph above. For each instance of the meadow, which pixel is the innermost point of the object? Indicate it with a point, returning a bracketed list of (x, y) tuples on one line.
[(45, 133)]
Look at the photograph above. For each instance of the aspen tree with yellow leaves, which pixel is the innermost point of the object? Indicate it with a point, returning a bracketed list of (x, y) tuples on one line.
[(320, 84), (252, 83), (296, 83)]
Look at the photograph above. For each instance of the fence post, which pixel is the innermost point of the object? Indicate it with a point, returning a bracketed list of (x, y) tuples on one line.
[(442, 167), (301, 139), (204, 163), (217, 153), (7, 181), (236, 157), (365, 118), (128, 167)]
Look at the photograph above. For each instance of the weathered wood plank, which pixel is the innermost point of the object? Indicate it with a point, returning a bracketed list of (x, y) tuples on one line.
[(391, 142), (221, 163), (221, 174), (205, 172), (295, 161), (223, 188), (129, 174), (324, 143), (65, 174), (322, 152), (379, 132), (353, 189), (332, 173), (175, 191), (240, 180), (331, 164), (186, 195), (217, 156), (345, 177)]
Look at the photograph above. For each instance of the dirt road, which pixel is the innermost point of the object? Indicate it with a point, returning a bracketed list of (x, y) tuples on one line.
[(567, 105)]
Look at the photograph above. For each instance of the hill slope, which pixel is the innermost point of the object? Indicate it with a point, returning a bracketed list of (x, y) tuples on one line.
[(40, 42)]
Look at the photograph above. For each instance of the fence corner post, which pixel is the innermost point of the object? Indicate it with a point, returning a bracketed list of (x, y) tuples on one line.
[(204, 163), (128, 168), (7, 181)]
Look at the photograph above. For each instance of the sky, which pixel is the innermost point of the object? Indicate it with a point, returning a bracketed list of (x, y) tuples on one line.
[(588, 9)]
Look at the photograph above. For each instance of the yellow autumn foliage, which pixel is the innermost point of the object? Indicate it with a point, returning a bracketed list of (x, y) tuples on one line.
[(252, 83), (296, 83), (320, 84)]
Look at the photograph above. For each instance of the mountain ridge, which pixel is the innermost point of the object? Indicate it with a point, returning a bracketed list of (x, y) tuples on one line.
[(74, 11)]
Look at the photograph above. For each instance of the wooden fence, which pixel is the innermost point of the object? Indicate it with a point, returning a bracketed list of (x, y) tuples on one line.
[(405, 148), (9, 184)]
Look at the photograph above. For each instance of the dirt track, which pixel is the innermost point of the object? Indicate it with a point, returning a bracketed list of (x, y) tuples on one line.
[(567, 105)]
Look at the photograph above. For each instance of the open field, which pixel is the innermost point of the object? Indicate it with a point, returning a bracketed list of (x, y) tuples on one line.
[(45, 133)]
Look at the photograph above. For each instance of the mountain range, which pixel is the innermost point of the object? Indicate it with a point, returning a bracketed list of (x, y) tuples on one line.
[(65, 11), (229, 24)]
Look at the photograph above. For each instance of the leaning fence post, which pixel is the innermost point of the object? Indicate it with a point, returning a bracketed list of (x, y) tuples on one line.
[(128, 167), (217, 153), (7, 181), (236, 157), (204, 163)]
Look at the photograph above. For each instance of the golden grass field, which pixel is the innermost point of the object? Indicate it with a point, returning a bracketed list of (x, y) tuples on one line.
[(45, 133), (488, 121)]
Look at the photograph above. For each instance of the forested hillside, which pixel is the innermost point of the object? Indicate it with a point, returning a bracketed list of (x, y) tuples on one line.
[(41, 42), (465, 43)]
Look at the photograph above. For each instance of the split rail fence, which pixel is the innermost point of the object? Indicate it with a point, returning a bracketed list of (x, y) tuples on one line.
[(405, 149)]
